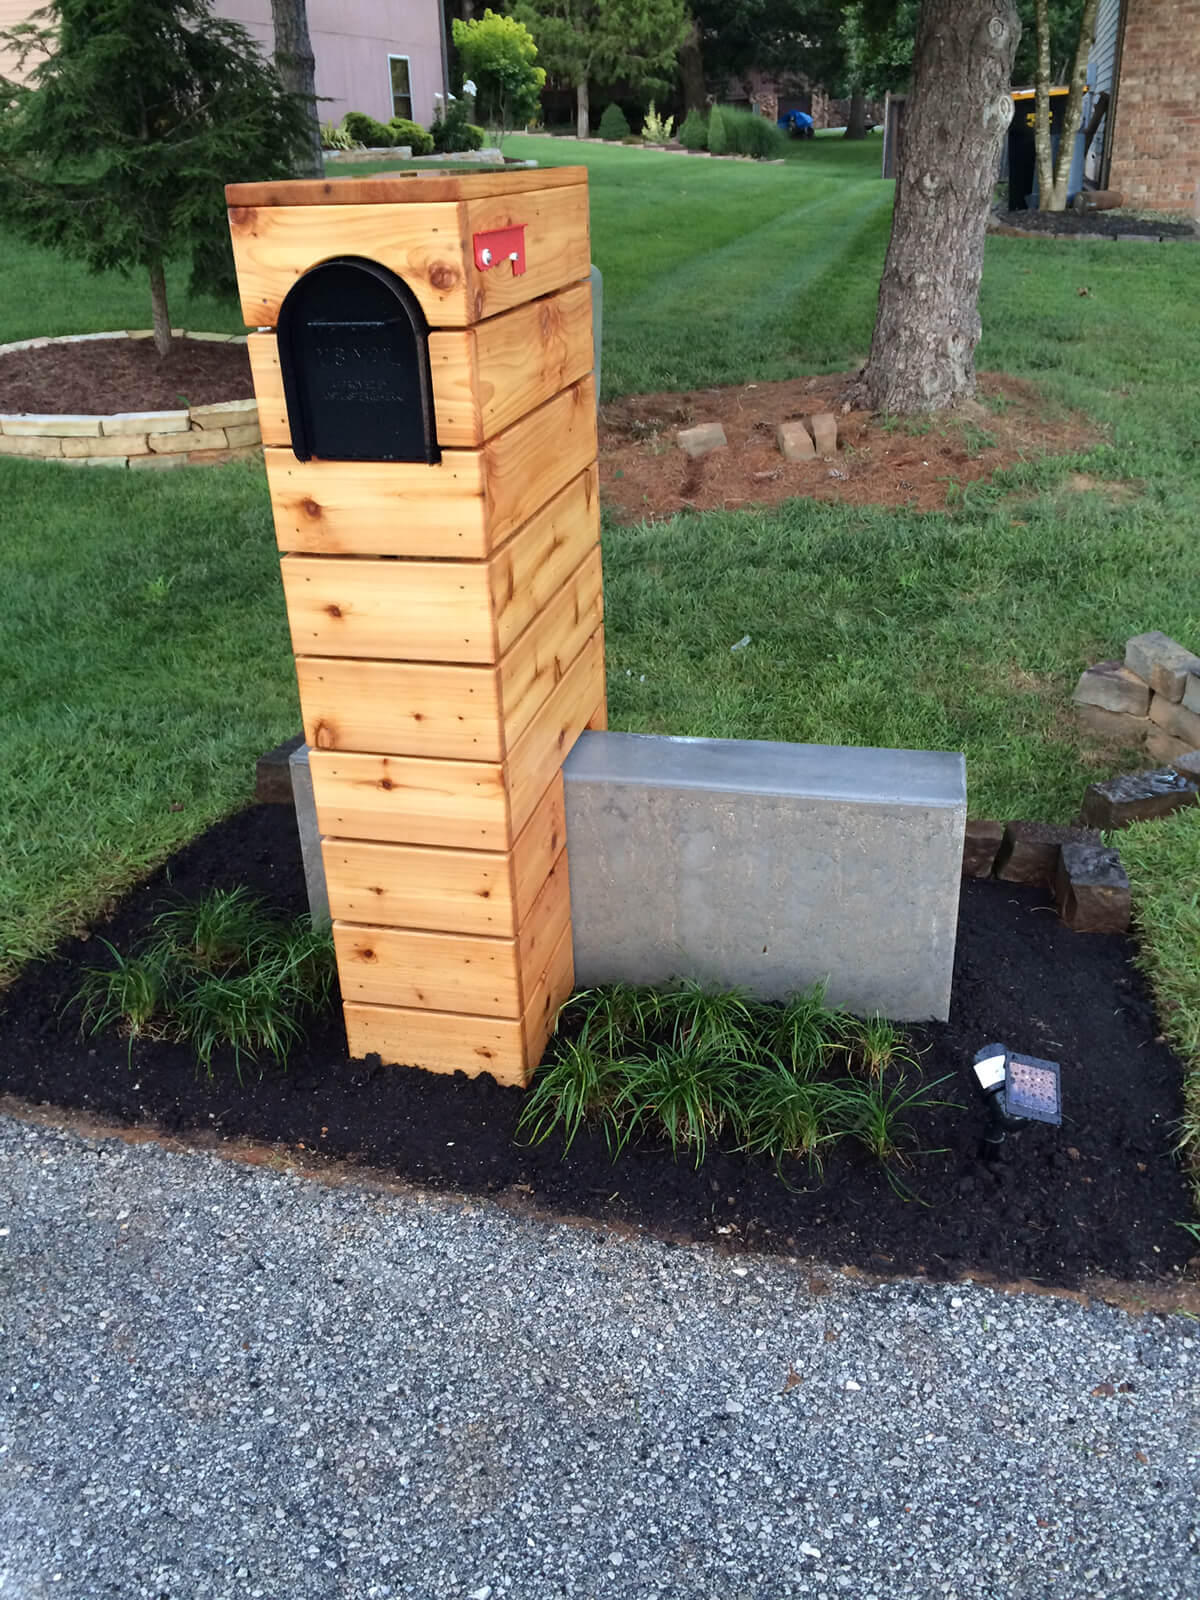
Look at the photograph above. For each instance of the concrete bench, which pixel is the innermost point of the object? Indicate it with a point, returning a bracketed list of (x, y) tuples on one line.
[(767, 866)]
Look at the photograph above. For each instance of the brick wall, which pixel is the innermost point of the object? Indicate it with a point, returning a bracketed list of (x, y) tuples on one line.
[(1156, 134)]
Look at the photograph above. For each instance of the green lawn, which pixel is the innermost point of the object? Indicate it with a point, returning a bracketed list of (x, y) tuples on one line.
[(146, 652)]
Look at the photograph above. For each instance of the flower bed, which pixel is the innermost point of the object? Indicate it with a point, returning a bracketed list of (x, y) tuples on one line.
[(189, 435)]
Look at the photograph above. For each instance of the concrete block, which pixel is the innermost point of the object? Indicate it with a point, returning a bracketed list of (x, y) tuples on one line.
[(1166, 749), (145, 422), (1030, 850), (1092, 889), (194, 439), (1164, 664), (824, 428), (701, 440), (980, 846), (1116, 725), (795, 442), (273, 774), (1114, 688), (41, 449), (767, 866), (123, 444), (224, 413), (1136, 797), (310, 837), (1176, 720)]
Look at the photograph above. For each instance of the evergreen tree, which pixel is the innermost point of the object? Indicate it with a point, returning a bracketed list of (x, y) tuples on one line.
[(634, 41), (135, 115)]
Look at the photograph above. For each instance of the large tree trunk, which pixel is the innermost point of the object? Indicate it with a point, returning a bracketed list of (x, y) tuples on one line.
[(1041, 107), (927, 325), (298, 73), (691, 70), (583, 121), (161, 313), (1074, 112), (856, 121)]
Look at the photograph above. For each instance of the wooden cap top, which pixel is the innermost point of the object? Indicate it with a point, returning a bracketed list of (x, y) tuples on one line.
[(400, 188)]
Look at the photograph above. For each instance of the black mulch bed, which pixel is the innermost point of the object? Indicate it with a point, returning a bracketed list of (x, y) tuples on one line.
[(100, 376), (1102, 1196), (1093, 225)]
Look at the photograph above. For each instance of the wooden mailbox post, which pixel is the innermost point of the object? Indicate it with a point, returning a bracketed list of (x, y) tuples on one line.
[(441, 566)]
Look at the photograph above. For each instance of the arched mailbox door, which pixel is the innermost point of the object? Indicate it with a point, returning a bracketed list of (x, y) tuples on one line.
[(354, 356)]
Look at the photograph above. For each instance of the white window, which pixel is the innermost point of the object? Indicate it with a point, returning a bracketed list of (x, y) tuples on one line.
[(401, 87)]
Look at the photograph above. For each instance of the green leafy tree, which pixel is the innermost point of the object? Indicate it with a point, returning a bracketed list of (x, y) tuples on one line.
[(635, 41), (500, 56), (134, 115)]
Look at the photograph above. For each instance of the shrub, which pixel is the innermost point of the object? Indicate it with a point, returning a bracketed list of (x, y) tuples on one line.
[(336, 136), (411, 133), (365, 130), (613, 124), (751, 135), (718, 138), (216, 973), (656, 129), (451, 132), (478, 134), (693, 135)]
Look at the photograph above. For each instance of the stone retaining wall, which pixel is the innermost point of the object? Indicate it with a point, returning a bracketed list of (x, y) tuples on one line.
[(192, 436)]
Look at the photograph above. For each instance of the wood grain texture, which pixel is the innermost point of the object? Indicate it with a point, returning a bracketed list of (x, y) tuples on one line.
[(440, 1041), (540, 658), (537, 561), (428, 243), (550, 992), (538, 847), (484, 378), (390, 610), (547, 742), (464, 507), (415, 886), (398, 508), (543, 927), (401, 708), (401, 188), (487, 377), (406, 800), (431, 971)]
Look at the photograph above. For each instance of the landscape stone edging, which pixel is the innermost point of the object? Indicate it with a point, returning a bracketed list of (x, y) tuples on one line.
[(1007, 230), (224, 430)]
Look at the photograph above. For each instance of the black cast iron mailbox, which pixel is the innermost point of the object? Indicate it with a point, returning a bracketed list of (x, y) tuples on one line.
[(354, 353)]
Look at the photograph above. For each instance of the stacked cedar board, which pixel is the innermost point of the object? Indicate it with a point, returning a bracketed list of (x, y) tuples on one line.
[(446, 620)]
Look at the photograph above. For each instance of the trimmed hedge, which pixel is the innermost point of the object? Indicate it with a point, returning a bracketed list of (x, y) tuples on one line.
[(693, 135), (411, 133), (613, 124), (718, 138)]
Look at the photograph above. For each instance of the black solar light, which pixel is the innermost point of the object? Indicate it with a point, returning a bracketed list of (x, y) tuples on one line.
[(1016, 1089)]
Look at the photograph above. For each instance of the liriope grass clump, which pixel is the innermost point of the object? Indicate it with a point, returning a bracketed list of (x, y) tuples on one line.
[(216, 973), (693, 1067)]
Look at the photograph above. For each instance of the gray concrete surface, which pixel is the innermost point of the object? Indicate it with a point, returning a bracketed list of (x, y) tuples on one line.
[(769, 866), (310, 838), (226, 1382)]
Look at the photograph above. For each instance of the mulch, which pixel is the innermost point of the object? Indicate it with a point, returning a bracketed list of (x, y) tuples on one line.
[(1092, 225), (1102, 1196), (100, 376), (645, 476)]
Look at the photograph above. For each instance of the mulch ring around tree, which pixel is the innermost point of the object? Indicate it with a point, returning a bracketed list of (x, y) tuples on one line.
[(103, 376), (645, 476), (1100, 1198), (1090, 225)]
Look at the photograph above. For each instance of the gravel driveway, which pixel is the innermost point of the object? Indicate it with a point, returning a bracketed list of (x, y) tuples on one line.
[(229, 1381)]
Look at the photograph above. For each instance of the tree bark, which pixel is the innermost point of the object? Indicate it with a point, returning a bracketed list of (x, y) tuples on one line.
[(1074, 112), (161, 312), (583, 123), (1041, 107), (297, 69), (856, 121), (927, 324), (691, 70)]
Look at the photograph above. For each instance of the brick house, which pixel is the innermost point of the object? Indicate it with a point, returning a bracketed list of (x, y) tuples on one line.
[(1146, 58), (385, 57)]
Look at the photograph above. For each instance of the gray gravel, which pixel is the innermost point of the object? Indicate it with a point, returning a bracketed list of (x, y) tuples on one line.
[(229, 1381)]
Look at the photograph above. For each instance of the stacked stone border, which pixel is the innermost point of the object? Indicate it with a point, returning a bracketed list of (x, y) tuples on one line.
[(1151, 698), (192, 436)]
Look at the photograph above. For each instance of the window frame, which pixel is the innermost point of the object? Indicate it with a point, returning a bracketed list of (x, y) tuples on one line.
[(407, 60)]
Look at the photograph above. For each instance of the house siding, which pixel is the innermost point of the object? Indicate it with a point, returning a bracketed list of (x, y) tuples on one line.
[(1101, 71), (1155, 140), (352, 40)]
